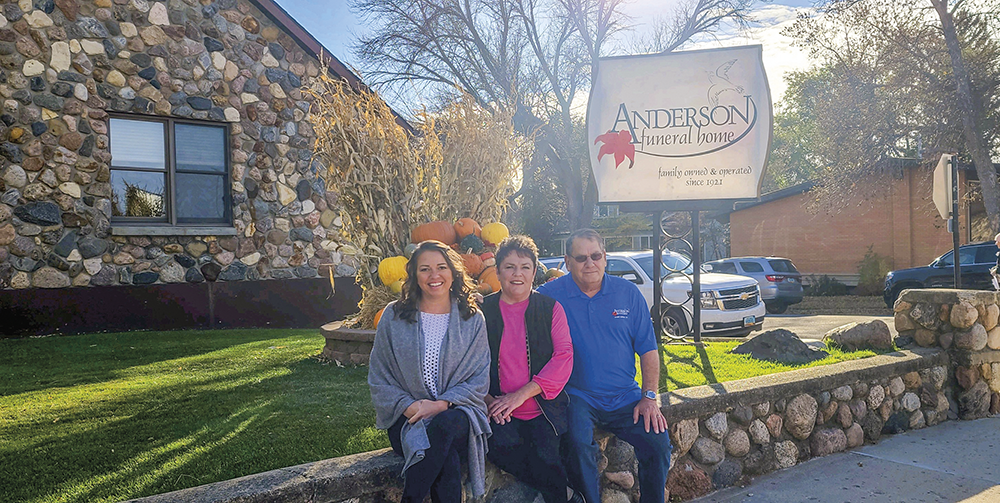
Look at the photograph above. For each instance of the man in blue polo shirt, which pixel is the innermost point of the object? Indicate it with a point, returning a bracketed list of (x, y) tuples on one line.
[(609, 324)]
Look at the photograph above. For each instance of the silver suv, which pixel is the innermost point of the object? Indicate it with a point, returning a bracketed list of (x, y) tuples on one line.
[(780, 283)]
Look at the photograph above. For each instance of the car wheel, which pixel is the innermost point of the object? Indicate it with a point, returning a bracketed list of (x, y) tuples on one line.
[(674, 325), (776, 307)]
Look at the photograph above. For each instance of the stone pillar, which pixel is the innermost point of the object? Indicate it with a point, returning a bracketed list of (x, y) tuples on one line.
[(964, 322)]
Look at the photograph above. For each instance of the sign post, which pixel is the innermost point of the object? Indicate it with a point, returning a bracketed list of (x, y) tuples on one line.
[(681, 131), (954, 222), (945, 196)]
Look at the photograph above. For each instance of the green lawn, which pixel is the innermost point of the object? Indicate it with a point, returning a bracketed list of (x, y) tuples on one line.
[(106, 417), (689, 365)]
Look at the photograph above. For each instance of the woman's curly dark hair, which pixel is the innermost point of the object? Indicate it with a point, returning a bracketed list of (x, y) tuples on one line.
[(462, 289)]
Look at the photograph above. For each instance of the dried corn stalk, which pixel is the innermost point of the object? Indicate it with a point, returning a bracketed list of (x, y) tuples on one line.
[(462, 162)]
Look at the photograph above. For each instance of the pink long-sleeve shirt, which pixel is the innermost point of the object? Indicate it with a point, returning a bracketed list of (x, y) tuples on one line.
[(513, 357)]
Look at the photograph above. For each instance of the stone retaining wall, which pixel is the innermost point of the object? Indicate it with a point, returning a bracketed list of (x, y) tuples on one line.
[(722, 435), (965, 323)]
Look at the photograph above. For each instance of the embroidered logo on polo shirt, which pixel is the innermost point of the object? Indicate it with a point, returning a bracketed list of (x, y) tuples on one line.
[(620, 314)]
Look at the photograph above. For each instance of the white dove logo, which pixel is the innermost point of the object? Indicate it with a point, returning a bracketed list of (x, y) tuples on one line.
[(721, 83)]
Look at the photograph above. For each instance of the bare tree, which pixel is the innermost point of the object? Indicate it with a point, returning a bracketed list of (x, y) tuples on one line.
[(970, 115), (531, 57), (913, 46)]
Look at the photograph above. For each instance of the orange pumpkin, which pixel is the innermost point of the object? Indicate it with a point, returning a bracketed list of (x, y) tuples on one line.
[(466, 226), (473, 264), (489, 276), (439, 230), (378, 316)]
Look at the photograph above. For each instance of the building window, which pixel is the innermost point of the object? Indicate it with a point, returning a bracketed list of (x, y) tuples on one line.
[(605, 210), (167, 171)]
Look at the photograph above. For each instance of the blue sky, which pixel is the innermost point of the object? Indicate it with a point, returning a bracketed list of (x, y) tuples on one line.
[(336, 27)]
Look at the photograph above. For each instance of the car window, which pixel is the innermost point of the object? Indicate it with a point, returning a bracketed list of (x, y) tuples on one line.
[(671, 261), (724, 267), (751, 267), (551, 262), (966, 256), (780, 265), (618, 267), (986, 254)]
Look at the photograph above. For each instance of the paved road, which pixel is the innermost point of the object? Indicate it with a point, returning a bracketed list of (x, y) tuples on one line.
[(813, 327), (956, 461)]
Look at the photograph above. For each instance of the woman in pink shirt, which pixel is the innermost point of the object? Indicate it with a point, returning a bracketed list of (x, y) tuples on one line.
[(531, 359)]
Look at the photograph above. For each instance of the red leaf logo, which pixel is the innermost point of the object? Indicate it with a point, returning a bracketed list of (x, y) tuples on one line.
[(619, 144)]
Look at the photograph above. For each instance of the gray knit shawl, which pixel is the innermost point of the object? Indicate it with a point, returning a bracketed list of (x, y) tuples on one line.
[(395, 378)]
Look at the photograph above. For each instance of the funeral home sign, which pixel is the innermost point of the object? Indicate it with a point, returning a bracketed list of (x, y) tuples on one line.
[(688, 125)]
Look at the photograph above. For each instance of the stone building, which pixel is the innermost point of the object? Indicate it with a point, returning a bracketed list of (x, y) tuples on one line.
[(156, 171)]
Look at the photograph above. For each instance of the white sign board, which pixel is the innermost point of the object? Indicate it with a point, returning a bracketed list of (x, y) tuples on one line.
[(942, 186), (680, 126)]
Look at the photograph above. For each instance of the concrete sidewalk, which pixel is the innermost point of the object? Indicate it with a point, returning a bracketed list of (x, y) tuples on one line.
[(951, 462)]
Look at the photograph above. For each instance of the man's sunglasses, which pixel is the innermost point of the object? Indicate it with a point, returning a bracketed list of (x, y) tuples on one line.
[(593, 256)]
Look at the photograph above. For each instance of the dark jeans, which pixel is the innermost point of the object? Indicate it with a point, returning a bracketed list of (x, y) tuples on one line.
[(529, 450), (440, 472), (651, 450)]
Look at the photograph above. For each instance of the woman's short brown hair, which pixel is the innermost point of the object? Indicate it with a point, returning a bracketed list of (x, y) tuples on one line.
[(523, 245)]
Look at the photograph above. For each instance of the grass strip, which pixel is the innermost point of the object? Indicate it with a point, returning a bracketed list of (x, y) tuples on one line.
[(690, 365)]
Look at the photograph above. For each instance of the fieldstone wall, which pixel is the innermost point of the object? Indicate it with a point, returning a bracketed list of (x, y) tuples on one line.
[(722, 435), (64, 64), (965, 323)]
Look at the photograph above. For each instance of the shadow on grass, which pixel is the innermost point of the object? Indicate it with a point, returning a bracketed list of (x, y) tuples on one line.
[(38, 364), (700, 361), (156, 436)]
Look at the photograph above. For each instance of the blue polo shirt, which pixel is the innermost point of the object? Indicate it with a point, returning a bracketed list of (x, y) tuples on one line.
[(608, 330)]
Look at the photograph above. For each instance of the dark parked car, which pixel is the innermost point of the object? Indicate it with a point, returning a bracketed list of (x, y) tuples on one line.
[(975, 260)]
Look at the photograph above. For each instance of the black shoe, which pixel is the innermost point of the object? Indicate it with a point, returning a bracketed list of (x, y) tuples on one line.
[(577, 498)]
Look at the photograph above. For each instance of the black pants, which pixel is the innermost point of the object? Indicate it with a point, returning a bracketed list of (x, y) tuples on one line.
[(529, 450), (440, 472)]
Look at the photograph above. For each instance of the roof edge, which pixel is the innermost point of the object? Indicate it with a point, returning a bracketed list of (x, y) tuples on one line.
[(307, 41)]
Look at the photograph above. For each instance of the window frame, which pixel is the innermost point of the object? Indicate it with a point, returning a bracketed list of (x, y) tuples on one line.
[(169, 220)]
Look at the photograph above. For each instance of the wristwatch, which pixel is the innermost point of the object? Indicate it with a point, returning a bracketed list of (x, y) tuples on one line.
[(650, 394)]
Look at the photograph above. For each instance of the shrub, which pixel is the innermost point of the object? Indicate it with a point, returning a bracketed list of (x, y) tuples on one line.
[(872, 270), (825, 286)]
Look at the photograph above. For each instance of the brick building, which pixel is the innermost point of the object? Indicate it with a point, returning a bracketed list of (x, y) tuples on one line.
[(903, 225), (156, 169)]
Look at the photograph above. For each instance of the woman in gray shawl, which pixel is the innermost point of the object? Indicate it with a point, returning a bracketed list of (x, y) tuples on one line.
[(428, 375)]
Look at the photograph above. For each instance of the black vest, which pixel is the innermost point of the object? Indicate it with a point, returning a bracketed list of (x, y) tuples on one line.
[(538, 328)]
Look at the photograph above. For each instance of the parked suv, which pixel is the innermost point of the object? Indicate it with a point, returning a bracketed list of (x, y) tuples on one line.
[(975, 261), (730, 304), (780, 283)]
